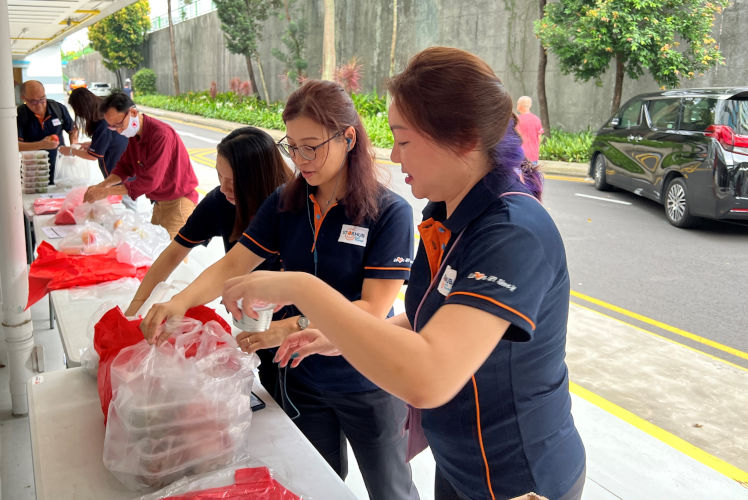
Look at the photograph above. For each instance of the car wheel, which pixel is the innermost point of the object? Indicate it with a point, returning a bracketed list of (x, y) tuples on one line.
[(598, 173), (676, 204)]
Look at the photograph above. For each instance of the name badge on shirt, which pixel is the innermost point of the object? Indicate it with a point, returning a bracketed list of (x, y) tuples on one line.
[(448, 279), (56, 122), (354, 235)]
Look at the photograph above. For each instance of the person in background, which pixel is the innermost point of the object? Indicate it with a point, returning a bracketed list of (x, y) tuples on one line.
[(155, 164), (127, 89), (40, 123), (337, 222), (249, 168), (529, 128), (480, 348), (106, 146)]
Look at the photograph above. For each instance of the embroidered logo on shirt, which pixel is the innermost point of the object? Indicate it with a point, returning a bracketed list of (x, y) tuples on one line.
[(492, 279), (447, 281), (401, 260), (354, 235)]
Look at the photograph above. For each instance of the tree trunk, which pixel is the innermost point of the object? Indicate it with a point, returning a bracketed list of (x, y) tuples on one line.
[(619, 84), (328, 42), (394, 38), (174, 70), (118, 74), (255, 90), (542, 62), (262, 77)]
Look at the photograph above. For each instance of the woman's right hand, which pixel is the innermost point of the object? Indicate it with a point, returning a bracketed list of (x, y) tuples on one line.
[(133, 307), (152, 324)]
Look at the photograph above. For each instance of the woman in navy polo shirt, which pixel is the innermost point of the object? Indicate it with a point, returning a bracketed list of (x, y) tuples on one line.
[(488, 295), (334, 221), (249, 169), (106, 146)]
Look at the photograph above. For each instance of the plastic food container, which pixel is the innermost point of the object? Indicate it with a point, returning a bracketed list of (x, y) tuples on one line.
[(31, 155)]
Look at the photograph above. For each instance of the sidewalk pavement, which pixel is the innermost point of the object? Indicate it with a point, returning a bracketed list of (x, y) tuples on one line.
[(659, 419), (548, 167)]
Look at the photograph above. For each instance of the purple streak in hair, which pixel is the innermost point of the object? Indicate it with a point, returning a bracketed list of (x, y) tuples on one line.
[(509, 160)]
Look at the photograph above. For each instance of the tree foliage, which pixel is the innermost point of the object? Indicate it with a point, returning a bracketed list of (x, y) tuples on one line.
[(293, 39), (671, 39), (144, 81), (242, 22), (119, 37)]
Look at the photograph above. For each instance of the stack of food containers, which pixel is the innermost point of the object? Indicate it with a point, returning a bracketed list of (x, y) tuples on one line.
[(35, 171)]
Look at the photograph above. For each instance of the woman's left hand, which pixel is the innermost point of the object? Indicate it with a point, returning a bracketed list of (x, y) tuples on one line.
[(300, 345), (270, 287), (65, 150)]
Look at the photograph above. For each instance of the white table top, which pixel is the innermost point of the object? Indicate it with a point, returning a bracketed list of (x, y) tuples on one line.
[(67, 442)]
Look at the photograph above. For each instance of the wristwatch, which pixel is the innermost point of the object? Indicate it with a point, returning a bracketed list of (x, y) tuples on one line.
[(302, 322)]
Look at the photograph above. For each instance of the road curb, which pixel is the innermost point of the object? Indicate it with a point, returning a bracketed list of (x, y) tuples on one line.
[(548, 167)]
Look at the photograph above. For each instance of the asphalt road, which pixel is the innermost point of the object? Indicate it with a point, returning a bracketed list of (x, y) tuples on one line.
[(625, 260)]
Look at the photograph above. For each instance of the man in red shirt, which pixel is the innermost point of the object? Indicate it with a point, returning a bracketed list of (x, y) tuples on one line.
[(529, 128), (155, 164)]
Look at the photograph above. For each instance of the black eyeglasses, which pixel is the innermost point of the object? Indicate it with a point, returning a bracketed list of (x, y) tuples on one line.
[(121, 123), (309, 153), (37, 102)]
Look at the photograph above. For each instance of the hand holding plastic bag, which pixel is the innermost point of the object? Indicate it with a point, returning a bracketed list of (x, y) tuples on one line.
[(179, 408)]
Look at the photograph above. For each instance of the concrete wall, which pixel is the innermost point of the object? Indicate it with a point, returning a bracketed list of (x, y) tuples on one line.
[(500, 31)]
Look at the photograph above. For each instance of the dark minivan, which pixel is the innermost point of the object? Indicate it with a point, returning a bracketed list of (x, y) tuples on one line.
[(686, 149)]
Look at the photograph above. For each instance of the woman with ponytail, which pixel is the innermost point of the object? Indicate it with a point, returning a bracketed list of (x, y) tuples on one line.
[(480, 348)]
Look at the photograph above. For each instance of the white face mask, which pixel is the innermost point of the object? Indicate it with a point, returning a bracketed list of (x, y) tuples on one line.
[(132, 127)]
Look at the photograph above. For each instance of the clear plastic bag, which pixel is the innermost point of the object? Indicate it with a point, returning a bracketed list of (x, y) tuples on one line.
[(180, 408), (98, 211), (72, 200), (71, 171), (138, 241), (88, 239)]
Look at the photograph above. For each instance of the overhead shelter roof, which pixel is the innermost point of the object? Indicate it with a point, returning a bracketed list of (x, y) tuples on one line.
[(34, 24)]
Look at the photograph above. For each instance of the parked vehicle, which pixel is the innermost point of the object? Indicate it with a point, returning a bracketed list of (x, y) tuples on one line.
[(686, 149), (75, 83), (101, 89)]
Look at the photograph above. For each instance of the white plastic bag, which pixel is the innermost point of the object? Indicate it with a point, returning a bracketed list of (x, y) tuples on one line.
[(71, 171), (172, 415), (98, 211), (138, 241)]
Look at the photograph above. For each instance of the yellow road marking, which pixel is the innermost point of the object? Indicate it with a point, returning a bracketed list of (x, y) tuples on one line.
[(387, 162), (568, 178), (192, 124), (666, 437), (201, 191), (663, 326), (200, 160), (724, 361)]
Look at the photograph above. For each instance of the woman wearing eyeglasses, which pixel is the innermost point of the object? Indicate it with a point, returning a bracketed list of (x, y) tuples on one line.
[(335, 221), (106, 146)]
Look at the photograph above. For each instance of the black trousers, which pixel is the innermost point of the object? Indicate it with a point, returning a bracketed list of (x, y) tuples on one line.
[(371, 421)]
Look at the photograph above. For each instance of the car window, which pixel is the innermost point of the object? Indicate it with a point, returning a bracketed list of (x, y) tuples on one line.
[(631, 115), (735, 115), (698, 113), (663, 113)]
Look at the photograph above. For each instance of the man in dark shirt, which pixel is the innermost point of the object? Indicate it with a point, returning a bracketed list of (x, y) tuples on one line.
[(40, 123), (155, 164)]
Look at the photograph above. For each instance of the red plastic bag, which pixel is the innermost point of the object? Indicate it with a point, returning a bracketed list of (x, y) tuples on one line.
[(114, 332), (72, 200), (54, 270), (44, 206), (256, 483)]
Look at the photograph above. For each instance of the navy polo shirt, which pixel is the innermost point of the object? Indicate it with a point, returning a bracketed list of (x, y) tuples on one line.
[(107, 146), (504, 255), (215, 216), (346, 254), (30, 129)]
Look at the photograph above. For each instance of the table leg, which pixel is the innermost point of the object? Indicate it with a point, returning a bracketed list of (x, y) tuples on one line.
[(29, 236), (51, 313)]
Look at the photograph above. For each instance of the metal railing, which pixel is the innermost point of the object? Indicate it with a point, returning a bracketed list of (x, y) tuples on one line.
[(182, 11)]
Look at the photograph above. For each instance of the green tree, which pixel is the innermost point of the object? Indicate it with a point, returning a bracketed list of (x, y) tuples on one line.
[(241, 22), (293, 39), (669, 38), (119, 37)]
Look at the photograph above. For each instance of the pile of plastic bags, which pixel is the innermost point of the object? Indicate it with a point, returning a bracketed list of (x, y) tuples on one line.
[(180, 408)]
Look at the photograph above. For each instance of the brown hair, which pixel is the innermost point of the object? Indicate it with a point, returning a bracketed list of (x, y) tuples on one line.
[(328, 104), (258, 170), (456, 99), (86, 108)]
